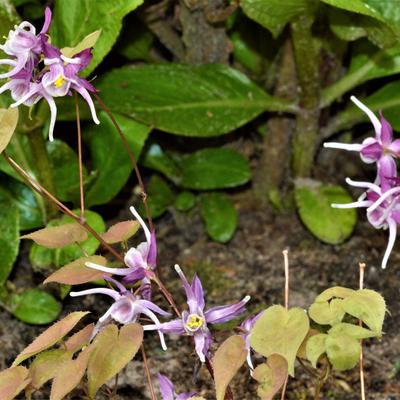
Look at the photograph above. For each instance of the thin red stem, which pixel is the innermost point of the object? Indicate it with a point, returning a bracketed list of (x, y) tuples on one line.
[(132, 158), (286, 263), (42, 191), (362, 379), (78, 127), (149, 381)]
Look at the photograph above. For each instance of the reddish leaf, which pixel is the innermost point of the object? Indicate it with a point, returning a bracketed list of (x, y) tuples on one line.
[(79, 339), (55, 237), (271, 376), (50, 336), (69, 375), (111, 353), (76, 273), (120, 232), (12, 381), (227, 360), (45, 365)]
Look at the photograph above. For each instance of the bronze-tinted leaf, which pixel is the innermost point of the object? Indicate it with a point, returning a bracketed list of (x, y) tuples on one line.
[(77, 272), (79, 339), (87, 42), (112, 350), (227, 360), (69, 375), (50, 336), (120, 232), (45, 365), (8, 123), (271, 376), (12, 381), (54, 237)]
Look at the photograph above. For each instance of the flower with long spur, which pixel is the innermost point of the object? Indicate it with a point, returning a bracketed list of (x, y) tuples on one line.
[(140, 261), (126, 307), (168, 392), (246, 326), (383, 208), (57, 76), (381, 149), (195, 321), (24, 46)]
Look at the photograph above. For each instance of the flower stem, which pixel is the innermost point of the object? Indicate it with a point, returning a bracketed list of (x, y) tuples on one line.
[(43, 167), (307, 121)]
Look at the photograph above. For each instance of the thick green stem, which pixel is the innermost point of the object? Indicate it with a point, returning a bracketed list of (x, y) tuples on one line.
[(42, 166), (307, 122)]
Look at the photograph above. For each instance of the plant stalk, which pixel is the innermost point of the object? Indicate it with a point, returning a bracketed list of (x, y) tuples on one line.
[(307, 58)]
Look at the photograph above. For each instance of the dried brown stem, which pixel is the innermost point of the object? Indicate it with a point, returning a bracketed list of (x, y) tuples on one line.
[(42, 191), (148, 376), (132, 158), (78, 127)]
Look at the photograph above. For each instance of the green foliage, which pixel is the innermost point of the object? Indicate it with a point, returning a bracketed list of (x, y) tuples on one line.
[(9, 238), (314, 205), (110, 158), (185, 201), (214, 169), (75, 19), (219, 215), (188, 100), (43, 258), (280, 331), (35, 306), (160, 196)]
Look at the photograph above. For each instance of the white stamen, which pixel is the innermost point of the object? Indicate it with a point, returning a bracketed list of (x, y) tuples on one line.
[(375, 121), (364, 185), (141, 222), (343, 146), (392, 238), (356, 204)]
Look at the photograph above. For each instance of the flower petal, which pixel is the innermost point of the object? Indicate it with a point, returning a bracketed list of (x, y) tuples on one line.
[(166, 387), (222, 314)]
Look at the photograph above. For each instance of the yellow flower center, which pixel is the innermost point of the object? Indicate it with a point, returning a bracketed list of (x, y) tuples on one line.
[(194, 322), (59, 81)]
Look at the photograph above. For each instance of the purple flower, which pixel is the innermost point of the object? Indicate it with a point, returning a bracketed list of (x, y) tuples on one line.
[(247, 326), (30, 81), (381, 149), (141, 260), (126, 307), (168, 392), (194, 322), (383, 209)]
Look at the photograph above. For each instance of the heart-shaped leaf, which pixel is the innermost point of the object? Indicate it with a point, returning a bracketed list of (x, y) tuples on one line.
[(227, 360), (112, 351), (327, 313), (50, 336), (315, 347), (120, 232), (271, 376), (8, 123), (280, 331), (343, 351), (77, 273), (354, 331)]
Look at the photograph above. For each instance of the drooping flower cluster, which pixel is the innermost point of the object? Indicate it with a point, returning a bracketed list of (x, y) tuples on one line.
[(382, 197), (39, 70)]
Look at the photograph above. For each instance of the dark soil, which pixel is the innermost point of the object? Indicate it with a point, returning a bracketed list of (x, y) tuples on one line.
[(251, 263)]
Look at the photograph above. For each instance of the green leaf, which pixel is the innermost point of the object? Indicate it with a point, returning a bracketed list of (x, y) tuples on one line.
[(368, 306), (314, 201), (42, 258), (75, 19), (280, 331), (185, 201), (315, 347), (343, 351), (65, 170), (112, 351), (109, 156), (227, 360), (354, 331), (9, 235), (214, 169), (347, 26), (155, 158), (327, 313), (160, 196), (35, 306), (219, 215), (335, 291), (188, 100), (275, 14), (271, 376)]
